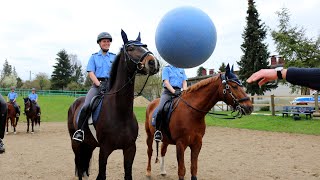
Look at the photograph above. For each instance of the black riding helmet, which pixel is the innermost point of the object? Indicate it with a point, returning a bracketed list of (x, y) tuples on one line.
[(104, 35)]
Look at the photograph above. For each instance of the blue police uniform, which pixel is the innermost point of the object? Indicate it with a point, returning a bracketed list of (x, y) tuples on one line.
[(33, 97), (101, 64), (12, 96), (174, 75)]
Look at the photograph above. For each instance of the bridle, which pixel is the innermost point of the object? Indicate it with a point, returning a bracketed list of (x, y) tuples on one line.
[(29, 103), (226, 90), (137, 62), (237, 107)]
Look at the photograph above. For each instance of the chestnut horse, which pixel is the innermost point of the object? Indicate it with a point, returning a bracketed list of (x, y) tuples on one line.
[(30, 109), (117, 127), (187, 123), (12, 117)]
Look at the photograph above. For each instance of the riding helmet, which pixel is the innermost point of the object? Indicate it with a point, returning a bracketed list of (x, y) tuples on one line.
[(104, 35)]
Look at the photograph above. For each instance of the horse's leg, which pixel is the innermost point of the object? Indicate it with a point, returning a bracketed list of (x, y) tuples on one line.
[(149, 152), (28, 121), (129, 155), (32, 124), (103, 158), (164, 147), (195, 150), (180, 148), (7, 125), (15, 125)]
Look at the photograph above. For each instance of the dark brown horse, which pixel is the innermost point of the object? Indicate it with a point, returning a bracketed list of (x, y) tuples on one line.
[(12, 117), (30, 109), (187, 125), (117, 127)]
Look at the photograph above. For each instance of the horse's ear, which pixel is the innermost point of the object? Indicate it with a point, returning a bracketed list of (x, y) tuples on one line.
[(232, 68), (227, 70), (138, 38), (124, 37)]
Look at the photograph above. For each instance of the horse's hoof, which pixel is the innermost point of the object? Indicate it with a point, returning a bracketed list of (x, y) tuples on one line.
[(15, 133), (32, 132), (163, 173), (148, 173), (7, 133)]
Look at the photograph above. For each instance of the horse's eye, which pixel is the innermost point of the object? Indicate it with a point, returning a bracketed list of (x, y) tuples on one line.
[(130, 48)]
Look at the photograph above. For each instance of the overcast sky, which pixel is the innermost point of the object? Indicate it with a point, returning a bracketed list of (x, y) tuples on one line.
[(32, 32)]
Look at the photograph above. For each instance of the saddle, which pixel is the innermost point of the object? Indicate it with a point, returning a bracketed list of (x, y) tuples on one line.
[(163, 120)]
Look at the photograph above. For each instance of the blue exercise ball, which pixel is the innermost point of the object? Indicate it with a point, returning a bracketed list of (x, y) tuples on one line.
[(185, 37)]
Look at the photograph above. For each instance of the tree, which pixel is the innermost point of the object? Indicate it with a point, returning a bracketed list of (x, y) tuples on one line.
[(42, 80), (255, 51), (62, 72), (7, 69), (293, 45), (77, 74), (200, 70), (222, 68)]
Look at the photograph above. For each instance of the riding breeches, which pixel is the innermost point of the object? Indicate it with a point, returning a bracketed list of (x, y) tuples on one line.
[(3, 116)]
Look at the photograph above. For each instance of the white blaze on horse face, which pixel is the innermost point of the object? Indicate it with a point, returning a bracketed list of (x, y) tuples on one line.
[(162, 167)]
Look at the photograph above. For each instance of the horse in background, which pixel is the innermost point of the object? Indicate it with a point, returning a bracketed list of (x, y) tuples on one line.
[(187, 123), (12, 116), (117, 126), (30, 110)]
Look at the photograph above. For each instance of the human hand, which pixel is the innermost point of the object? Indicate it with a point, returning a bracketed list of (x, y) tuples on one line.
[(263, 76), (103, 88), (177, 93)]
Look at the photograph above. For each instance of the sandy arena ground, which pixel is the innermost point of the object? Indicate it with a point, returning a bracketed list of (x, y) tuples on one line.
[(226, 154)]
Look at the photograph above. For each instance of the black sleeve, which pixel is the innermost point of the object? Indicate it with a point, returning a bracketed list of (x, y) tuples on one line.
[(309, 77)]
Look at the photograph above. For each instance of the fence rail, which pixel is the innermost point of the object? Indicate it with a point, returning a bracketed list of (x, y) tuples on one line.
[(26, 92)]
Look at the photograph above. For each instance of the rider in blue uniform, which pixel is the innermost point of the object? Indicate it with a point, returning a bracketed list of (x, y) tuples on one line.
[(3, 117), (98, 68), (34, 99), (12, 98), (174, 79)]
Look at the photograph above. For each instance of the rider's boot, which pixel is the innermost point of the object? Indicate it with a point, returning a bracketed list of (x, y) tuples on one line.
[(79, 134), (158, 134)]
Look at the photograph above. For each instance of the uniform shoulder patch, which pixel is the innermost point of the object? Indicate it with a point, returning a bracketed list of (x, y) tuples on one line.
[(95, 53), (112, 53)]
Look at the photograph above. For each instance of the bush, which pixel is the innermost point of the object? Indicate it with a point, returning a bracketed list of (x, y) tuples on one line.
[(265, 108)]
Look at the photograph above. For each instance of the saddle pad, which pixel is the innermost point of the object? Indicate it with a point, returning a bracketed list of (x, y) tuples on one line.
[(95, 113)]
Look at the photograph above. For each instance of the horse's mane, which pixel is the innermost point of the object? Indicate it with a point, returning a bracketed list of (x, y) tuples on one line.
[(202, 83), (114, 69)]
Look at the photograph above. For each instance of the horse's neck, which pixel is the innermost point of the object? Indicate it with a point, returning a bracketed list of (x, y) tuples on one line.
[(125, 83), (206, 96)]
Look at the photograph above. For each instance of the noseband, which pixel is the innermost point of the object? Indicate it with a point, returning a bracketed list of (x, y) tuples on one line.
[(237, 107)]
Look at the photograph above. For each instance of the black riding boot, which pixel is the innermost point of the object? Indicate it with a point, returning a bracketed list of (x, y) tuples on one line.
[(79, 134), (158, 134)]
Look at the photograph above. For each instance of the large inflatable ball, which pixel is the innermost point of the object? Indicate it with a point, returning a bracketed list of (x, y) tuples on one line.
[(185, 37)]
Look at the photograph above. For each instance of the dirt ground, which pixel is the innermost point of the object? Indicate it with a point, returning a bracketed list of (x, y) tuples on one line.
[(226, 154)]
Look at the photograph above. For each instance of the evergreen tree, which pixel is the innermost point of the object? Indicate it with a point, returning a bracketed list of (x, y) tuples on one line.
[(199, 71), (222, 68), (62, 72), (7, 69), (255, 51)]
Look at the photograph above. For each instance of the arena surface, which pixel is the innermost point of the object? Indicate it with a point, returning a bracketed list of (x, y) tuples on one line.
[(226, 154)]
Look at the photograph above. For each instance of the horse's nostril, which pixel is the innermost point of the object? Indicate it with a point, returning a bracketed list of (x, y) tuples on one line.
[(151, 63)]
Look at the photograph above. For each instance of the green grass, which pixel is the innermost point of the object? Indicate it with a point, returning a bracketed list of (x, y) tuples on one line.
[(55, 109)]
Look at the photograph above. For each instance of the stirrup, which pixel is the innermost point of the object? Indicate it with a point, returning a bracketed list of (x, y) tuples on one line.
[(76, 138), (157, 138)]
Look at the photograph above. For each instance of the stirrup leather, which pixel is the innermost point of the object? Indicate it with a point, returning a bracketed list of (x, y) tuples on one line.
[(76, 138)]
